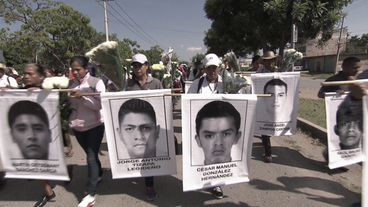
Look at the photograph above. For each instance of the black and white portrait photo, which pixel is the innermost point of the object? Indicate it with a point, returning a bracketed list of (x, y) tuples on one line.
[(344, 116), (139, 133), (31, 144), (276, 113), (138, 129), (217, 134), (30, 129), (217, 130)]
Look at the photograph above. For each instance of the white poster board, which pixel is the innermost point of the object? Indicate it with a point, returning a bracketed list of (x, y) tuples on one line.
[(217, 139), (276, 115), (139, 133), (344, 130), (31, 144)]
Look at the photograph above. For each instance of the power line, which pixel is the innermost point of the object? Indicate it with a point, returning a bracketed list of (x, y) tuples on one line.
[(133, 26), (136, 24), (151, 43)]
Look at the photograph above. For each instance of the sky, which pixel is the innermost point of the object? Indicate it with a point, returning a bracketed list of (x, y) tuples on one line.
[(179, 24)]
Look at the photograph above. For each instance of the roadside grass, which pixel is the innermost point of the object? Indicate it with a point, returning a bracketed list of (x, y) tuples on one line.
[(317, 75), (313, 111)]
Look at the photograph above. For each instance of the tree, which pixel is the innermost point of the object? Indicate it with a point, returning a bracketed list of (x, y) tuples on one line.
[(247, 25), (356, 44), (53, 35)]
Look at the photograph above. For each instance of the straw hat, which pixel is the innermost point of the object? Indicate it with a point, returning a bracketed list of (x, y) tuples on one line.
[(269, 55)]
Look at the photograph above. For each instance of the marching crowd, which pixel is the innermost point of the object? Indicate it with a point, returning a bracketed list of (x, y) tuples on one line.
[(87, 123)]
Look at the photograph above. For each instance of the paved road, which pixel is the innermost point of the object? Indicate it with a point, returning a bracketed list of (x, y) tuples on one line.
[(298, 177), (310, 83)]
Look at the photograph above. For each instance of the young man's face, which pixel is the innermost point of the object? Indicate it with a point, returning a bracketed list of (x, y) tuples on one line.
[(275, 103), (216, 137), (139, 134), (351, 69), (140, 69), (32, 136), (349, 130)]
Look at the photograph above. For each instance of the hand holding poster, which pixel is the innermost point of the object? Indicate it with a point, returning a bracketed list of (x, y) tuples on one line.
[(344, 117), (276, 115), (139, 133), (30, 144), (217, 139)]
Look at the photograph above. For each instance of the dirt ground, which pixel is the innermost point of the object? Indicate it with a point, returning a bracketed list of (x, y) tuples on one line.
[(308, 93)]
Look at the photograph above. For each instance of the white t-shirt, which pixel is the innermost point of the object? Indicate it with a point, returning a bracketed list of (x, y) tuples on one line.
[(6, 80), (207, 88)]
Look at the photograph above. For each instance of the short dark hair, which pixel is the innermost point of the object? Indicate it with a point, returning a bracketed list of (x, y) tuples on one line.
[(350, 60), (83, 61), (27, 107), (350, 108), (275, 82), (51, 70), (217, 109), (38, 69), (136, 106), (255, 58)]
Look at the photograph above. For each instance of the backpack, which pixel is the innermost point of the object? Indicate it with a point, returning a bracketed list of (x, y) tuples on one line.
[(200, 84)]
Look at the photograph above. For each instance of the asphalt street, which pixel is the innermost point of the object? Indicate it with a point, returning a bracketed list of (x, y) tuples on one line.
[(297, 177)]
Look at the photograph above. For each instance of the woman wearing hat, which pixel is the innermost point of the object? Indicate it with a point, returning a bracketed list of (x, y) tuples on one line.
[(269, 66)]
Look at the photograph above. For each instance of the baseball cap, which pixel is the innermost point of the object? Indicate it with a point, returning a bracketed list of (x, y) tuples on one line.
[(139, 58), (211, 59)]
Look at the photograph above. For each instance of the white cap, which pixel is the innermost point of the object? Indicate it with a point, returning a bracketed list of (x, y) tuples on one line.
[(211, 59), (139, 58)]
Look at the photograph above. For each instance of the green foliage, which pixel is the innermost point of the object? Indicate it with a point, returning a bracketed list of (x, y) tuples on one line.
[(356, 44), (51, 34), (244, 26)]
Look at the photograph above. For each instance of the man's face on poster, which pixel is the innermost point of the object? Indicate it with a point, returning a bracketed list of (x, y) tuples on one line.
[(32, 136), (275, 104), (139, 134), (216, 137), (349, 128)]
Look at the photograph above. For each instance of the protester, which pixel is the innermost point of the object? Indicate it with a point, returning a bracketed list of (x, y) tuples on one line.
[(350, 67), (210, 83), (142, 81), (11, 72), (197, 70), (33, 76), (50, 72), (255, 63), (269, 61), (86, 121), (7, 81)]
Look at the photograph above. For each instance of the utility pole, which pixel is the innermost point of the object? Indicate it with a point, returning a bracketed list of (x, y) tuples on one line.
[(338, 46), (294, 39), (106, 27)]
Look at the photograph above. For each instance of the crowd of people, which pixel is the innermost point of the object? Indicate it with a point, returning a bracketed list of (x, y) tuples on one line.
[(89, 130)]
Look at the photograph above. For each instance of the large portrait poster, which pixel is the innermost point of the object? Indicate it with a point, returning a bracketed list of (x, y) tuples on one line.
[(217, 139), (276, 115), (344, 117), (365, 146), (139, 133), (31, 144)]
